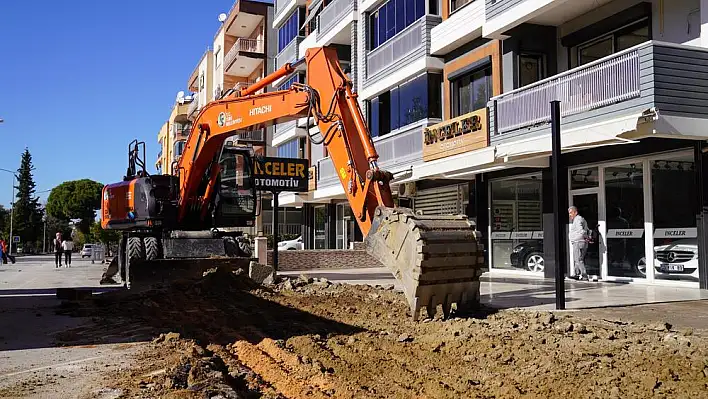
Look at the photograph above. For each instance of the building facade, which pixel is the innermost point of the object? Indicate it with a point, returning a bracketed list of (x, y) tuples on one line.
[(173, 134), (456, 96)]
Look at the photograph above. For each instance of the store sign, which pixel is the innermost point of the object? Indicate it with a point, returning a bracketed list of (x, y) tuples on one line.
[(501, 235), (522, 235), (678, 232), (625, 233), (455, 136), (538, 235), (281, 174)]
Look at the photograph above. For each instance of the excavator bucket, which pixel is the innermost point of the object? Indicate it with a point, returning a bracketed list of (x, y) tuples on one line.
[(437, 259)]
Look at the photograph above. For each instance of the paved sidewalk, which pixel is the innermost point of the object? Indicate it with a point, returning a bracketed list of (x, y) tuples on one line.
[(534, 293)]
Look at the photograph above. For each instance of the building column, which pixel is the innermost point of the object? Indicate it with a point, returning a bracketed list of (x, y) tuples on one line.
[(354, 59), (308, 220), (478, 209), (549, 261), (701, 159)]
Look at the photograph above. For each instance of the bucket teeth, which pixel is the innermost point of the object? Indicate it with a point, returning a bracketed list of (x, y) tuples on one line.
[(437, 259)]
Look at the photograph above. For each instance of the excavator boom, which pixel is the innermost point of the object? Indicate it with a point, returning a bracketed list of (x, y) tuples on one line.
[(438, 259)]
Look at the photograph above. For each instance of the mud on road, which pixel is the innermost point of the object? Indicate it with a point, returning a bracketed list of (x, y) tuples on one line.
[(227, 337)]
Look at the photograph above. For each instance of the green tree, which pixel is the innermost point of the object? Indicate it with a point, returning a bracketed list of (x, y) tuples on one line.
[(76, 199), (4, 221), (98, 234), (27, 220)]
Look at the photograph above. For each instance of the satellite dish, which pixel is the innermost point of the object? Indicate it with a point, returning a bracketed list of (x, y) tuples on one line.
[(222, 17), (180, 94)]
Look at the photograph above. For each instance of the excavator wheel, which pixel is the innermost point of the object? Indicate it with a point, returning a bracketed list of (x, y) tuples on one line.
[(152, 248), (437, 259), (136, 249)]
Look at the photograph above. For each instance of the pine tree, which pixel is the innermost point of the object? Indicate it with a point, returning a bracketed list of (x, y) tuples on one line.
[(27, 219)]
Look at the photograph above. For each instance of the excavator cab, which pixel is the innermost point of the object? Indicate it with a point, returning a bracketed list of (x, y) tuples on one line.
[(236, 201)]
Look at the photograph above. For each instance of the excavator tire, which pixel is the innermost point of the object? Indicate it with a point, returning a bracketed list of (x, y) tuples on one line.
[(136, 250), (152, 248), (437, 259)]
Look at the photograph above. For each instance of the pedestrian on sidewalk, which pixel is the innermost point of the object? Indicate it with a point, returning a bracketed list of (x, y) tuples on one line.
[(68, 247), (58, 249), (579, 241), (5, 253)]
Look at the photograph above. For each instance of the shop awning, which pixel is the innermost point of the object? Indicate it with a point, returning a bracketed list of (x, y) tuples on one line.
[(292, 199), (465, 163), (588, 136)]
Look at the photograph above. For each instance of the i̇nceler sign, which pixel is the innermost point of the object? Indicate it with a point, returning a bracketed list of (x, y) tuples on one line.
[(461, 134)]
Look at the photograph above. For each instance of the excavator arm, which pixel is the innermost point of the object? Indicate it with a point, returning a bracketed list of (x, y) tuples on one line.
[(437, 259)]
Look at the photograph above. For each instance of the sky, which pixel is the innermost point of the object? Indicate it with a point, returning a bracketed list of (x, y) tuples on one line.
[(80, 79)]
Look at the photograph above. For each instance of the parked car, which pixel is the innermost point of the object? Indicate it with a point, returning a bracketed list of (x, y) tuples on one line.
[(677, 258), (291, 245), (87, 251), (529, 255)]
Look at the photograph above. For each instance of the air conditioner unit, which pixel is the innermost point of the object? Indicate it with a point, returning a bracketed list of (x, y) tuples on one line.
[(406, 190)]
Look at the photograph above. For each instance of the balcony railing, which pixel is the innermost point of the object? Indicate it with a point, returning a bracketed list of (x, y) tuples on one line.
[(283, 228), (179, 130), (243, 44), (243, 85), (289, 53), (193, 106), (597, 84), (332, 14), (404, 43), (251, 136), (402, 147), (282, 128)]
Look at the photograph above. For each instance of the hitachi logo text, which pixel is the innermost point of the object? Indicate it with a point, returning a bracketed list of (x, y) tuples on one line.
[(260, 110)]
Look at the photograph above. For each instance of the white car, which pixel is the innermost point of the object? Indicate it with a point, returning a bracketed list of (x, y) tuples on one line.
[(87, 251), (678, 258), (292, 245)]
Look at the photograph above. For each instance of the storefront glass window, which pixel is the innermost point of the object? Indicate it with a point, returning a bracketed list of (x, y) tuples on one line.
[(320, 224), (624, 199), (517, 224), (584, 178), (675, 233)]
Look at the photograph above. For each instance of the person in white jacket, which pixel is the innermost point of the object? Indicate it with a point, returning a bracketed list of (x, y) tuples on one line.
[(578, 239), (68, 247)]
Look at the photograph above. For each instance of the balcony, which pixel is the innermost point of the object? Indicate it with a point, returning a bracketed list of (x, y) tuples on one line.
[(251, 136), (283, 8), (402, 51), (668, 82), (397, 151), (244, 57), (463, 25), (285, 131), (289, 54), (193, 106), (331, 17), (180, 131), (243, 85)]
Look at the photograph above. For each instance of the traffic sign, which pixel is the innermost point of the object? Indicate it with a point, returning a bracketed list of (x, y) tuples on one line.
[(16, 239)]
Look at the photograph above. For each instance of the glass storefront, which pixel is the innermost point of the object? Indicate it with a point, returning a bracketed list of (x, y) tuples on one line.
[(675, 232), (346, 226), (624, 205), (320, 227), (517, 223)]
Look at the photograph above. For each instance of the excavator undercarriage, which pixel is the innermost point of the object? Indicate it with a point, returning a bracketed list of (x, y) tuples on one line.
[(186, 218)]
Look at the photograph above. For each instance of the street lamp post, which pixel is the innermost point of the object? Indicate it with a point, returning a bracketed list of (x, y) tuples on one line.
[(12, 204)]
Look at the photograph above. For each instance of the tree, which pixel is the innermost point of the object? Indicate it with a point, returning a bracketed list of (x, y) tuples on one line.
[(27, 220), (98, 234), (4, 221), (76, 199)]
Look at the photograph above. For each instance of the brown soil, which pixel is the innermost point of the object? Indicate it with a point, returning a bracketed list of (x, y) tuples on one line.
[(300, 339)]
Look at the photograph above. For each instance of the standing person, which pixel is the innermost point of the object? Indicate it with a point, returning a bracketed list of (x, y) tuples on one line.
[(578, 239), (68, 247), (5, 253), (57, 250)]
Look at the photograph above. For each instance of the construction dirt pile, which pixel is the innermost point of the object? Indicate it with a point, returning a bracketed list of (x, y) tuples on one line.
[(226, 337)]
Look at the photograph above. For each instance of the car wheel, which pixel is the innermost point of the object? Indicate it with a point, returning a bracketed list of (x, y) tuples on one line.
[(641, 267), (534, 262)]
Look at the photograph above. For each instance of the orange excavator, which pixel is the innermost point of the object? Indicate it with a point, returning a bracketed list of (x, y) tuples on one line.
[(437, 259)]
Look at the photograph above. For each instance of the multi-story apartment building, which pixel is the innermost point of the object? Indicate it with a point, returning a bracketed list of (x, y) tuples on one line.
[(173, 134), (456, 95)]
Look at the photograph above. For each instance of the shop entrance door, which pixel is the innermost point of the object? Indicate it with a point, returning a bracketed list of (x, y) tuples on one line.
[(588, 208)]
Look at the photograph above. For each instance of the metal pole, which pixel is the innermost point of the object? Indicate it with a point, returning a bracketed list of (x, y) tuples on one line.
[(275, 231), (12, 214), (555, 170), (44, 237)]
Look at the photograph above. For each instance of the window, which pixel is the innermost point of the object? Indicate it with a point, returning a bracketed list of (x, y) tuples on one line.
[(291, 29), (292, 149), (608, 44), (531, 68), (299, 77), (457, 4), (393, 17), (417, 99), (471, 91), (179, 148)]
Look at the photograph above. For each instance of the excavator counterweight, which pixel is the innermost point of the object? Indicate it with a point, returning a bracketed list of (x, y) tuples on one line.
[(438, 259)]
